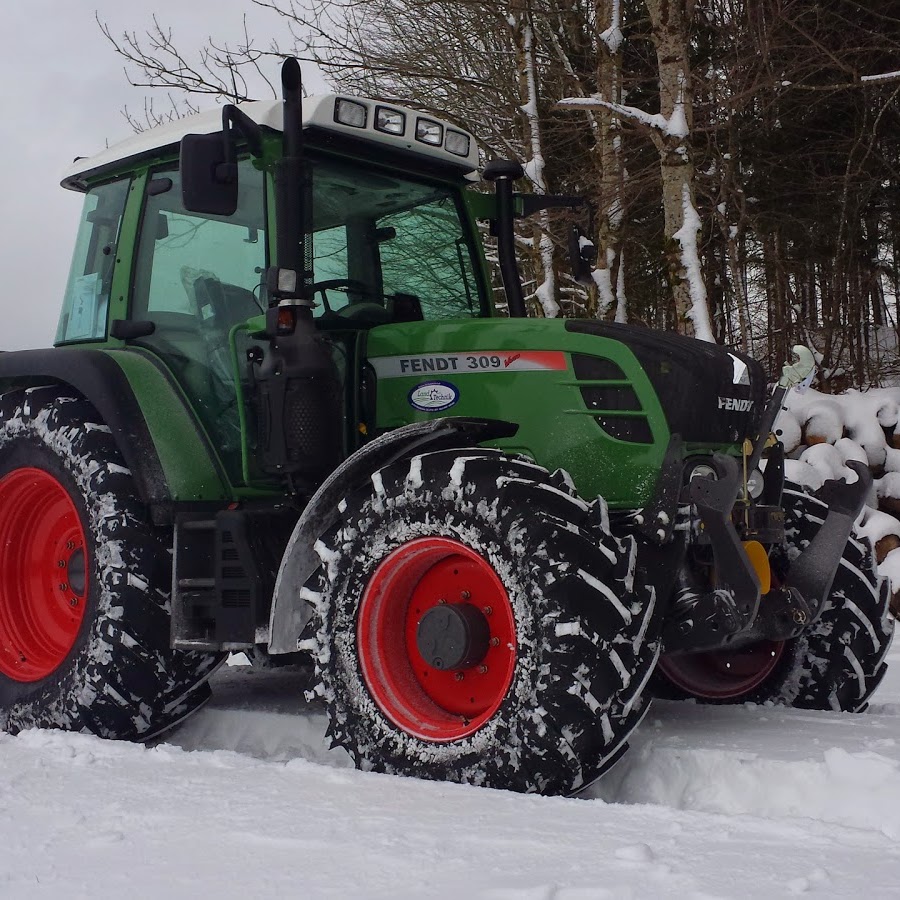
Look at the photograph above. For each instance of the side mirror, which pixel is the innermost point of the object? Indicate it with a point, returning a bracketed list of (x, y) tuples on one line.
[(582, 256), (209, 174), (208, 184)]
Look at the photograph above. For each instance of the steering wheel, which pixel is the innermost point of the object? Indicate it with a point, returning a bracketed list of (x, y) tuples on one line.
[(331, 284), (366, 312)]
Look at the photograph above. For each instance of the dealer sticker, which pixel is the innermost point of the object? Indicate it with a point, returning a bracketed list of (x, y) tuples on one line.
[(470, 362), (433, 396)]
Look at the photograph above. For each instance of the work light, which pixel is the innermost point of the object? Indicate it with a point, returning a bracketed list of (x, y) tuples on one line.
[(457, 143), (348, 112), (390, 121), (429, 132)]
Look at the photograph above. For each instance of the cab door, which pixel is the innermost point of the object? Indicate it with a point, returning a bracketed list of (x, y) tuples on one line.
[(197, 278)]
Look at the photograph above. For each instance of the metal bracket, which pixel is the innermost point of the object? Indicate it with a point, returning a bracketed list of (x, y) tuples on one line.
[(812, 573), (701, 620)]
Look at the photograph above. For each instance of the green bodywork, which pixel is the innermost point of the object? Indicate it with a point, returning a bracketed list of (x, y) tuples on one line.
[(555, 427)]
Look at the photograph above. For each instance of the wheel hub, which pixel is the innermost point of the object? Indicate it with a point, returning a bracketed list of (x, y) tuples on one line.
[(453, 637), (723, 674), (436, 639), (43, 574)]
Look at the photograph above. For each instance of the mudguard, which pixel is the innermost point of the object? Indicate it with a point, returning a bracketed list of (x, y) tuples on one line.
[(95, 375), (102, 378), (289, 613)]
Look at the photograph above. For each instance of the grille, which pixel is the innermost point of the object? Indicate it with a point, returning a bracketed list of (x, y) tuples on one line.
[(618, 396)]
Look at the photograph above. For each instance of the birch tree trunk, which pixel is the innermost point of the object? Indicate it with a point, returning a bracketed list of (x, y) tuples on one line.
[(670, 23), (523, 34), (609, 274)]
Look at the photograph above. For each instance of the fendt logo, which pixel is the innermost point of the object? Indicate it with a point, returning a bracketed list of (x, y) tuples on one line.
[(734, 404)]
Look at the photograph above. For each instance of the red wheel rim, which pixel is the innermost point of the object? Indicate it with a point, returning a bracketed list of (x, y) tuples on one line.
[(433, 704), (723, 674), (43, 574)]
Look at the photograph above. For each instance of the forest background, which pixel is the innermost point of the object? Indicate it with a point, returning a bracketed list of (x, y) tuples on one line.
[(743, 156)]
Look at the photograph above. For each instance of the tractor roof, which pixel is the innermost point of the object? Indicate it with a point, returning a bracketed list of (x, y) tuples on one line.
[(400, 128)]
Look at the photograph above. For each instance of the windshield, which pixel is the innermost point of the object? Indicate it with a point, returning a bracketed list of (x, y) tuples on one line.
[(388, 240)]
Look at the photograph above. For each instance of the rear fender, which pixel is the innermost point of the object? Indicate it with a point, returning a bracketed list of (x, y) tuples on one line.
[(107, 380), (290, 614)]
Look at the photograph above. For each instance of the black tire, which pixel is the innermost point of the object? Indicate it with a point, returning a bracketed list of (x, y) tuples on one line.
[(839, 662), (585, 633), (116, 675)]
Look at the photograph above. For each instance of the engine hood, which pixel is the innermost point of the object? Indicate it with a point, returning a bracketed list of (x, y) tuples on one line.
[(709, 395)]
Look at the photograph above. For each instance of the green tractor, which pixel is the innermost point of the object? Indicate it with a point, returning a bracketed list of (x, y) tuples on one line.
[(281, 415)]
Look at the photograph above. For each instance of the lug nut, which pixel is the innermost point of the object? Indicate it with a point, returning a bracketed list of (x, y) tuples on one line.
[(63, 587), (459, 676), (465, 595), (482, 670), (495, 642), (60, 564), (488, 610), (442, 602), (73, 601), (70, 545), (799, 617)]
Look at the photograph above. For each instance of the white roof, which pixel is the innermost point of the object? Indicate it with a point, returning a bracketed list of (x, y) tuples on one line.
[(318, 111)]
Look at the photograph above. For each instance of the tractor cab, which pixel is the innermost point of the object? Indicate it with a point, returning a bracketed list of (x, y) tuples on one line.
[(387, 237)]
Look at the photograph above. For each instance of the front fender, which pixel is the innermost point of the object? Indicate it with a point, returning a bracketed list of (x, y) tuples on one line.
[(290, 614)]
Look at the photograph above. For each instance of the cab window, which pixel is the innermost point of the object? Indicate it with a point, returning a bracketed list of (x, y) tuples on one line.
[(86, 302), (381, 239)]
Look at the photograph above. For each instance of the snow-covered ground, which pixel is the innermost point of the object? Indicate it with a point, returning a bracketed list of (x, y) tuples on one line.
[(739, 802)]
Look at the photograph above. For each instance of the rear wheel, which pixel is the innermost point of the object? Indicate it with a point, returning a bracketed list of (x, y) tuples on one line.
[(84, 582), (477, 622), (836, 665)]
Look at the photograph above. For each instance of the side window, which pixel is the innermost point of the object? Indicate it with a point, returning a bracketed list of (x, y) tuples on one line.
[(86, 301), (197, 270)]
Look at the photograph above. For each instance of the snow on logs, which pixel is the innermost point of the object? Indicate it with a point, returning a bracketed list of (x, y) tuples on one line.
[(821, 432)]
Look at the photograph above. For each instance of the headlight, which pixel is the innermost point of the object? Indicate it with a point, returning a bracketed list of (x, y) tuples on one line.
[(349, 112), (457, 143), (755, 483), (429, 132), (390, 121)]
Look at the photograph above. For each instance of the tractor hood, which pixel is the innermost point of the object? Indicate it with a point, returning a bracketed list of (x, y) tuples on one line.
[(709, 395), (599, 400)]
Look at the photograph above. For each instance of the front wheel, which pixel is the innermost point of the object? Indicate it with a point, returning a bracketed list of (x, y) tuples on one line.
[(477, 622)]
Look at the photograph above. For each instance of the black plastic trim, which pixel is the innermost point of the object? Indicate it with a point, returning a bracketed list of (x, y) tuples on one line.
[(694, 381)]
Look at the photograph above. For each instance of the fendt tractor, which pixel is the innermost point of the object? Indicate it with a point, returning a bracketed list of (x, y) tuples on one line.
[(282, 415)]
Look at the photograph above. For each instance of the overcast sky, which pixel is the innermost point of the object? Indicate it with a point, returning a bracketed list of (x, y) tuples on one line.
[(63, 91)]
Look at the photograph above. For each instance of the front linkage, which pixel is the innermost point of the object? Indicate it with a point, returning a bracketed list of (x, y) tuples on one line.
[(721, 606)]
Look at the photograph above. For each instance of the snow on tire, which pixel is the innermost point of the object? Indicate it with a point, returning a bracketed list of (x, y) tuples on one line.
[(561, 637), (835, 665), (84, 582)]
